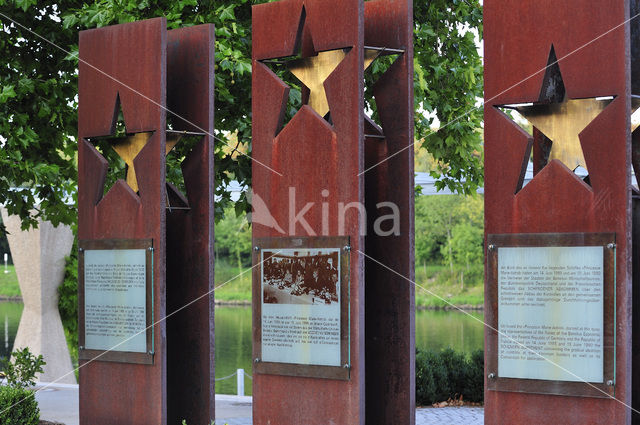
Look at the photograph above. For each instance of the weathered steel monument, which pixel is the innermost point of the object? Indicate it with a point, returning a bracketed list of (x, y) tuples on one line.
[(145, 244), (558, 291), (333, 329)]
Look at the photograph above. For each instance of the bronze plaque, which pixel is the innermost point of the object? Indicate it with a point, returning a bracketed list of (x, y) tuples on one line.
[(115, 279), (301, 306), (551, 312)]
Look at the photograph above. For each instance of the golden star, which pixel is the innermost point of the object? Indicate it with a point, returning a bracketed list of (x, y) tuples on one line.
[(562, 123), (560, 118), (312, 71), (128, 147)]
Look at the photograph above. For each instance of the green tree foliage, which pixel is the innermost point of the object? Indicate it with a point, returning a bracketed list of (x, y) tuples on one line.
[(448, 84), (449, 229), (38, 89), (37, 112), (233, 239)]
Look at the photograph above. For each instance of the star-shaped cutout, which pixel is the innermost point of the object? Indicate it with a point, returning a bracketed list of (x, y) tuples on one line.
[(312, 71), (128, 147), (312, 68), (560, 118)]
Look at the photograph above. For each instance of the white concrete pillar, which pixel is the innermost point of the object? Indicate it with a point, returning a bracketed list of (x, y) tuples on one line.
[(38, 257), (240, 381)]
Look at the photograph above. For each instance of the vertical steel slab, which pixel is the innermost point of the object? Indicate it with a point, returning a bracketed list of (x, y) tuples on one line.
[(128, 61), (190, 233), (389, 299), (147, 68), (593, 48), (308, 156)]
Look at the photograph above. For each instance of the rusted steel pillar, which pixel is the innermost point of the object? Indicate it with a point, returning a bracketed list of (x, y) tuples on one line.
[(541, 56), (329, 166), (141, 68)]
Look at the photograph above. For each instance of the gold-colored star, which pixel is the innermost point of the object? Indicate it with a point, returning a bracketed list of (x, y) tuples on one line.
[(560, 118), (562, 123), (128, 147), (312, 71)]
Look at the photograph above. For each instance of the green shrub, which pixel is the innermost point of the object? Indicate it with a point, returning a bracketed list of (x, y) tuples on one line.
[(432, 383), (474, 380), (68, 303), (449, 375), (21, 369), (18, 406), (456, 366)]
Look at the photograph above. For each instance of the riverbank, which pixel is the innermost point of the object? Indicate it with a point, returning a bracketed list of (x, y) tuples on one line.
[(435, 288)]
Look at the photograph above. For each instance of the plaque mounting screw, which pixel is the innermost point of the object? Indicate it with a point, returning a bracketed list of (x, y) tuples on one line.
[(347, 248), (611, 245), (610, 383), (81, 347), (346, 366), (150, 248), (492, 375), (256, 248), (150, 353), (80, 249), (256, 360), (492, 247)]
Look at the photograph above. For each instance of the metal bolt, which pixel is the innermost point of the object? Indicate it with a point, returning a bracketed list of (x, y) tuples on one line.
[(346, 366), (347, 248), (81, 347), (492, 375), (256, 248), (610, 383), (492, 247), (150, 248), (150, 353), (80, 249), (611, 245), (256, 360)]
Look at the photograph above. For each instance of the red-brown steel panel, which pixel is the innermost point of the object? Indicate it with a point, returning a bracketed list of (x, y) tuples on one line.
[(128, 61), (327, 157), (592, 45), (389, 299), (190, 233)]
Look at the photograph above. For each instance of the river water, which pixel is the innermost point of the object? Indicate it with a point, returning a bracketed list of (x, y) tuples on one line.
[(435, 330)]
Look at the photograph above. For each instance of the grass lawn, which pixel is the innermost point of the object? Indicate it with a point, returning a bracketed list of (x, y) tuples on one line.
[(235, 284), (9, 283), (437, 284)]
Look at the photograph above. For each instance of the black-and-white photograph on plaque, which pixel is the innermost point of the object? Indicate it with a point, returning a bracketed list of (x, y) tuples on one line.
[(301, 306), (309, 276)]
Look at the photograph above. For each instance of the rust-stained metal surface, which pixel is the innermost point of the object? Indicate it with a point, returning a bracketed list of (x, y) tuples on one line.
[(323, 162), (119, 393), (114, 393), (518, 39), (190, 233), (312, 155), (389, 299)]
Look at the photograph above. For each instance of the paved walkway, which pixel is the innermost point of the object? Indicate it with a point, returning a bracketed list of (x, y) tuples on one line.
[(59, 403)]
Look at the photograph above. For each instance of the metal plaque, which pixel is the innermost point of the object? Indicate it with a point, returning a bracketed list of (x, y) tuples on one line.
[(302, 285), (554, 322), (115, 286)]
